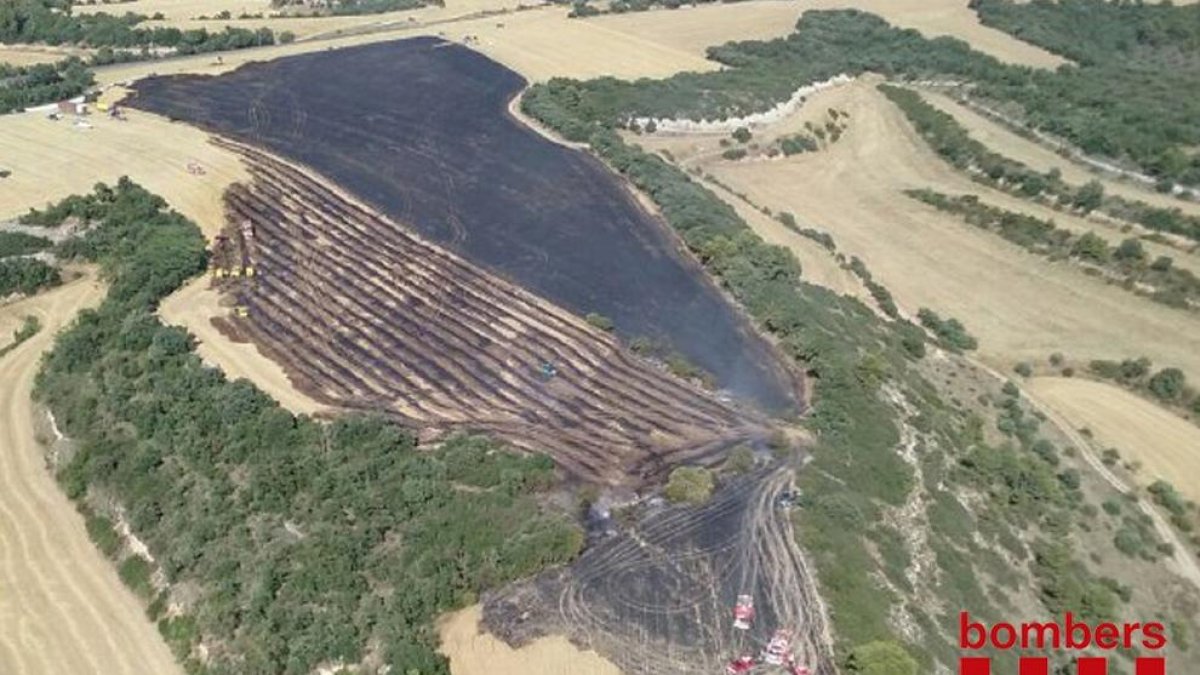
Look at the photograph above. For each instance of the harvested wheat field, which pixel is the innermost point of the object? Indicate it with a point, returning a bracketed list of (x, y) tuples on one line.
[(704, 149), (696, 28), (50, 160), (936, 18), (474, 652), (1167, 445), (28, 55), (317, 27), (542, 42), (63, 609), (1001, 139), (178, 10), (1020, 305)]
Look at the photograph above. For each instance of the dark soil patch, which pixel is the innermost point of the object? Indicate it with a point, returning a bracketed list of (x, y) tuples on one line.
[(420, 129)]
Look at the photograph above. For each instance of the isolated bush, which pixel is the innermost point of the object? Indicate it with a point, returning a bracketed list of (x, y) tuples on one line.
[(1167, 384), (600, 321), (881, 658), (689, 484), (742, 135), (1023, 369)]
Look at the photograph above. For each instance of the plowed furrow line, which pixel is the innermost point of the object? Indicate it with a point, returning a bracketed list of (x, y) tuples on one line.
[(633, 410), (431, 254), (592, 378)]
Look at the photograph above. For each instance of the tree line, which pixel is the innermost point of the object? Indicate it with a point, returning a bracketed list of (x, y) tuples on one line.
[(952, 142), (1127, 262), (301, 543)]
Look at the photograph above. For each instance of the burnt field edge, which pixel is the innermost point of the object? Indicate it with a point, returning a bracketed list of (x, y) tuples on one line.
[(708, 328)]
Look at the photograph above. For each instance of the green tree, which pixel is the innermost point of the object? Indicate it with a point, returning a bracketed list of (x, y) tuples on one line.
[(742, 135), (881, 658), (690, 484), (1092, 247), (1090, 196)]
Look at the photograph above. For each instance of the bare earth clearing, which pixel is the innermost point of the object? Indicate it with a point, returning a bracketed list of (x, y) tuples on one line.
[(63, 609), (1018, 304), (473, 651), (1167, 446)]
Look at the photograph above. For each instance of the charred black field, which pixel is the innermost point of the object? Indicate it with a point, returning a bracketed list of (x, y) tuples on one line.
[(420, 130), (657, 595)]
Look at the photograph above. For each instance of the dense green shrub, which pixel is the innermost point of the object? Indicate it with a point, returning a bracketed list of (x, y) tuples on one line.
[(20, 243), (26, 276)]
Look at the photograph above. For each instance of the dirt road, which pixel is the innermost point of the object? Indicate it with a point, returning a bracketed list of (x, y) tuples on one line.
[(1182, 562), (62, 607)]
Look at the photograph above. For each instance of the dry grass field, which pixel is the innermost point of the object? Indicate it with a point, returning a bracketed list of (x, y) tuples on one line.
[(50, 160), (194, 307), (1167, 445), (178, 10), (936, 18), (1004, 141), (26, 55), (705, 150), (62, 609), (541, 42), (1018, 304), (474, 652)]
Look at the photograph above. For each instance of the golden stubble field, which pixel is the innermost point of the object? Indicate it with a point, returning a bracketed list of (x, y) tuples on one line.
[(1018, 304), (62, 609), (1167, 445), (1014, 146), (474, 652), (540, 42)]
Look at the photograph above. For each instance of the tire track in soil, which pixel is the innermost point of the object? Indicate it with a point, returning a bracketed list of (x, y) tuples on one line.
[(658, 597)]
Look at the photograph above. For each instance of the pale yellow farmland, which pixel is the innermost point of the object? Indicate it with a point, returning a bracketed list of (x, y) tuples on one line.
[(474, 652), (937, 18), (193, 307), (695, 29), (178, 10), (1020, 305), (1167, 445), (50, 160), (28, 55), (62, 609), (1014, 146), (540, 42)]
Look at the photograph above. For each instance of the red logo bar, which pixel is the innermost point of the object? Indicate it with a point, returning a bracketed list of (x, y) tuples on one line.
[(974, 665), (1035, 665), (1040, 665), (1151, 665)]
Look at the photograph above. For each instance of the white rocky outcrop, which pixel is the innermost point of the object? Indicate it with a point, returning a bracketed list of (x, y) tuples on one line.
[(775, 114)]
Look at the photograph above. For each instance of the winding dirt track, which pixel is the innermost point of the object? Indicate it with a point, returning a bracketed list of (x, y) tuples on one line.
[(659, 598), (62, 607)]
